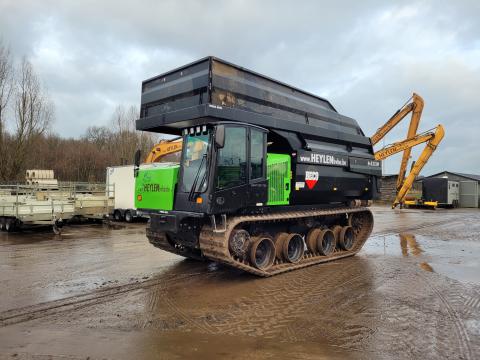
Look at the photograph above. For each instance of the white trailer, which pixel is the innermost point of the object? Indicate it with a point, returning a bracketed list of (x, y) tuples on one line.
[(121, 181), (26, 205), (29, 205)]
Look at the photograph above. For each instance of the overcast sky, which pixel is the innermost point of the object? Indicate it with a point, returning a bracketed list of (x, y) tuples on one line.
[(366, 57)]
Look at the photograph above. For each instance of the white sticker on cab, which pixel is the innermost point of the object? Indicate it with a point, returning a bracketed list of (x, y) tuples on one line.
[(299, 185)]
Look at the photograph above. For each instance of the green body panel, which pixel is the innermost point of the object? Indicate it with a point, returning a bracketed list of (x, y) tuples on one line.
[(278, 176), (155, 187)]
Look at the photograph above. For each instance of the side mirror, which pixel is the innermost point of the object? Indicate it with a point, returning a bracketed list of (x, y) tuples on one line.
[(136, 162), (220, 136)]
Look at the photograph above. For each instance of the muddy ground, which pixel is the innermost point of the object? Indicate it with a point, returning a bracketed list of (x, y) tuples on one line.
[(104, 292)]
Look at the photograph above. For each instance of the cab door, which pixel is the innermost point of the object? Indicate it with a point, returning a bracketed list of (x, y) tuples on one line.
[(231, 178), (257, 185)]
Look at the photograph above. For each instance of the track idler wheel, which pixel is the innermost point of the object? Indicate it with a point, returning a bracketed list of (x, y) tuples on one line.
[(326, 242), (293, 248), (262, 252), (346, 238), (238, 243)]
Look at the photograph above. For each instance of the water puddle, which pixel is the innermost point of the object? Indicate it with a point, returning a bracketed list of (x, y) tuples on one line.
[(455, 259), (409, 245)]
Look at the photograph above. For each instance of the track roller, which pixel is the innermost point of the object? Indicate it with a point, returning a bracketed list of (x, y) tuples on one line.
[(336, 231), (262, 252), (312, 239), (346, 238), (278, 240), (293, 248), (326, 242)]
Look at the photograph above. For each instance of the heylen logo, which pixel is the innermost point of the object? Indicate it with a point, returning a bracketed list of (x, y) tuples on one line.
[(311, 178)]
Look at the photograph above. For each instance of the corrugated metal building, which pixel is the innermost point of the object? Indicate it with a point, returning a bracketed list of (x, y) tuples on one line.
[(469, 186)]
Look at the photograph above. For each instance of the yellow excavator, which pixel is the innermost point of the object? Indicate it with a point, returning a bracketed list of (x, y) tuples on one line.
[(431, 137), (165, 151)]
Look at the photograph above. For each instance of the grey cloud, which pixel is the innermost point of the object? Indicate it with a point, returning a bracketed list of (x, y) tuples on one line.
[(365, 57)]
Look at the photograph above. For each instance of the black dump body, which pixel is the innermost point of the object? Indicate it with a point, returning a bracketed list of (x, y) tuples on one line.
[(322, 142)]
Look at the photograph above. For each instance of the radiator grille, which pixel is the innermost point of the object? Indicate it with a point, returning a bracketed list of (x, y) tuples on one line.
[(278, 176)]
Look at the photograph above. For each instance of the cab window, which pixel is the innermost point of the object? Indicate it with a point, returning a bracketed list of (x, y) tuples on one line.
[(256, 153), (232, 158)]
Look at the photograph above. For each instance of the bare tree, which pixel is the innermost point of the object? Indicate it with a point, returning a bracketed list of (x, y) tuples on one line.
[(5, 92), (33, 115), (86, 158), (126, 139), (98, 135)]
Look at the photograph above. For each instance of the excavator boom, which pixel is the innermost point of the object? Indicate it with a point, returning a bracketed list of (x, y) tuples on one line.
[(432, 138), (399, 146), (419, 164), (415, 105)]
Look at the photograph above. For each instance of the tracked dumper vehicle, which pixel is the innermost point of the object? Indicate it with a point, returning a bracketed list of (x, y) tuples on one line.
[(271, 178)]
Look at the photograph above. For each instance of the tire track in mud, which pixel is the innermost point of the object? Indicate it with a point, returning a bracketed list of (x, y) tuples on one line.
[(471, 304), (204, 327), (271, 311), (256, 315), (467, 303), (396, 231), (461, 332), (72, 303), (51, 308), (265, 323), (84, 300), (243, 316), (421, 324), (407, 314)]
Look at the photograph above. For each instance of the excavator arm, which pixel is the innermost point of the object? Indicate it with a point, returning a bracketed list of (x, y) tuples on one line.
[(416, 108), (431, 137), (164, 147)]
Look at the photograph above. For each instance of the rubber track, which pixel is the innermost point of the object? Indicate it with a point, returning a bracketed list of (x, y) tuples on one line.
[(214, 245)]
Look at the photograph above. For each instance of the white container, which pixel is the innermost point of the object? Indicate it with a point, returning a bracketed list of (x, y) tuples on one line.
[(121, 185)]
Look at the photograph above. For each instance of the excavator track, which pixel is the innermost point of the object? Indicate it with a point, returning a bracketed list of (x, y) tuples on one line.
[(214, 244)]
